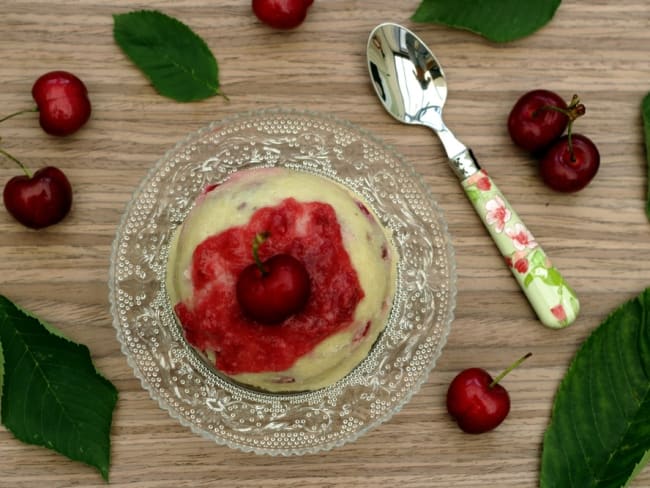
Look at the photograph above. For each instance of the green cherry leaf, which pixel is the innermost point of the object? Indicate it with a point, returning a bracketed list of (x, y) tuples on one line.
[(177, 61), (496, 20), (52, 395), (599, 434)]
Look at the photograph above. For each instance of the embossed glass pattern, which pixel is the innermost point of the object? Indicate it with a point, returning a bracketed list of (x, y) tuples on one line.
[(268, 423)]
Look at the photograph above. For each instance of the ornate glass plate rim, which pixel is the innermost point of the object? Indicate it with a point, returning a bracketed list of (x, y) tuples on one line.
[(283, 424)]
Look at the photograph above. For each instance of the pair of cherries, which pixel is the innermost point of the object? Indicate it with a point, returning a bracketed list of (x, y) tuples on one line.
[(536, 123), (45, 198)]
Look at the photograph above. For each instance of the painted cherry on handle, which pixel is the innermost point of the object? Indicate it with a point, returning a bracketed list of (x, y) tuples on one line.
[(477, 402), (270, 292)]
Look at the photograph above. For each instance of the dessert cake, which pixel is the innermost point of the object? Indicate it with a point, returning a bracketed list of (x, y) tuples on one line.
[(345, 251)]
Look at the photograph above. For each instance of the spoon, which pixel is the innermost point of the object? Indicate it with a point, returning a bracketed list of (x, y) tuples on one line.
[(411, 85)]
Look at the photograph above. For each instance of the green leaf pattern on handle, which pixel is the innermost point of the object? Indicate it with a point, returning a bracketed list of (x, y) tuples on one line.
[(473, 193), (540, 280)]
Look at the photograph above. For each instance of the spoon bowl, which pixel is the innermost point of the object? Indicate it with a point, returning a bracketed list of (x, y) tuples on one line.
[(411, 85), (408, 78)]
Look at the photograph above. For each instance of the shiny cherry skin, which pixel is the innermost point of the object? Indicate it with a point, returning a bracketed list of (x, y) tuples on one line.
[(277, 294), (566, 172), (281, 14), (62, 101), (40, 200), (532, 125), (476, 406)]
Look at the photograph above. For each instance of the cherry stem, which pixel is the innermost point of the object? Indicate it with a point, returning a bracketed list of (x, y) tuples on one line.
[(35, 109), (257, 242), (509, 368), (574, 110), (22, 166), (570, 141)]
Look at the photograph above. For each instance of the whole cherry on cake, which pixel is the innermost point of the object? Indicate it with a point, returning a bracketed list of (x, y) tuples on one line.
[(273, 290)]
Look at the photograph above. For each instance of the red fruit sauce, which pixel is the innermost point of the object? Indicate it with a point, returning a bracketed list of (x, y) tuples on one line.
[(214, 321)]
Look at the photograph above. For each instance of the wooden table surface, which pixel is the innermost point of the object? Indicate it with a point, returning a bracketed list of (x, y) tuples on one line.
[(599, 238)]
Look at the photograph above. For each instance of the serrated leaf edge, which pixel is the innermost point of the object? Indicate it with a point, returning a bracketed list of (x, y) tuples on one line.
[(104, 471), (563, 384)]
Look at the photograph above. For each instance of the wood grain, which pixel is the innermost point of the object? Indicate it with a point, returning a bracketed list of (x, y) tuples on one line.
[(598, 238)]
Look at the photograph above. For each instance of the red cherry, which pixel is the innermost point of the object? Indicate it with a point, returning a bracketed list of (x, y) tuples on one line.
[(281, 14), (274, 295), (477, 402), (62, 101), (569, 168), (532, 124), (40, 200), (475, 405)]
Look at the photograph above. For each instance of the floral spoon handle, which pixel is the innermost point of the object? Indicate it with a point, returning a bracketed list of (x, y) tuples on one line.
[(551, 297)]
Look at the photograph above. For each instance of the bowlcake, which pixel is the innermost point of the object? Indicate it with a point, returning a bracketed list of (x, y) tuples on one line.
[(344, 248)]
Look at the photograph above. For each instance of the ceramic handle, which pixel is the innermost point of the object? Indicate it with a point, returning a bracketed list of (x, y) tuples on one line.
[(551, 297)]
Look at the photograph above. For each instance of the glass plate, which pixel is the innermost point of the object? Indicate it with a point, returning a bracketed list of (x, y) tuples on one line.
[(270, 423)]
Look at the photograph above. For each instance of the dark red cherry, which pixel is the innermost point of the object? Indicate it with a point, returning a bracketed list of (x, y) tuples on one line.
[(40, 200), (534, 123), (477, 402), (569, 167), (62, 101), (275, 291), (281, 14)]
